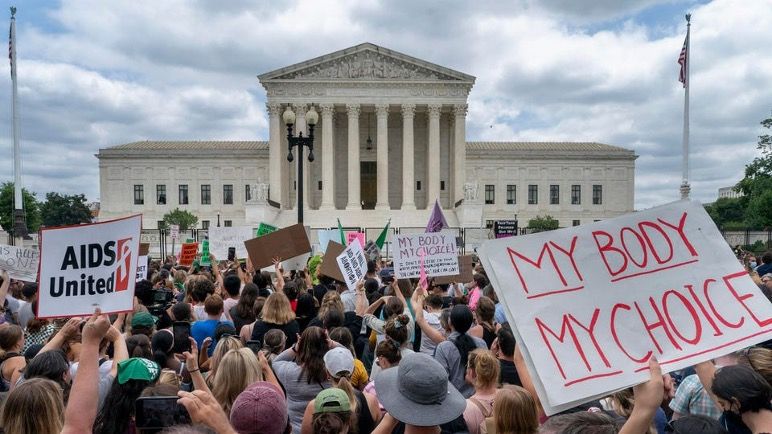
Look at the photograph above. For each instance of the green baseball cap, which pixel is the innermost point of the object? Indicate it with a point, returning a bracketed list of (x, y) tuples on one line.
[(142, 319), (332, 400), (137, 368)]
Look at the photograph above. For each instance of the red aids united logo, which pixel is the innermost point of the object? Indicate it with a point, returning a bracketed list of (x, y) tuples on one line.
[(105, 268)]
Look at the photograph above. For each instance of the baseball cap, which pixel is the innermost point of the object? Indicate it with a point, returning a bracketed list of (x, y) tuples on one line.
[(339, 361), (138, 368), (142, 319), (332, 400), (260, 408)]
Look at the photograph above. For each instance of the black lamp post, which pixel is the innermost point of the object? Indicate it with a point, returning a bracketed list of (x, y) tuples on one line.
[(311, 118)]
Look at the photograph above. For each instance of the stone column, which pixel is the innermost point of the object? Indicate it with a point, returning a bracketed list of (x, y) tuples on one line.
[(328, 158), (300, 126), (276, 165), (433, 155), (354, 192), (408, 158), (382, 156), (459, 153)]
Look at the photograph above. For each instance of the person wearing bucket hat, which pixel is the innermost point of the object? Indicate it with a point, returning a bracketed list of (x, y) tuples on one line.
[(117, 412), (417, 393)]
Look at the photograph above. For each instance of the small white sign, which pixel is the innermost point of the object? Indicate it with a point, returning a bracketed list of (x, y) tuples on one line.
[(220, 239), (174, 232), (142, 268), (19, 262), (352, 264)]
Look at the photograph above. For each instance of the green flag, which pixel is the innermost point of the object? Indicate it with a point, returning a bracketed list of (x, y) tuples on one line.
[(342, 235), (382, 237)]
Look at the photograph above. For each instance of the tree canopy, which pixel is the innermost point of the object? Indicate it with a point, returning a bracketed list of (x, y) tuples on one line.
[(185, 219), (31, 208), (64, 209), (542, 224)]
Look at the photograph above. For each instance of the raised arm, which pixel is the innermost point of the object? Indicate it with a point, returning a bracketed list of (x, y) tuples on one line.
[(82, 406), (526, 380), (705, 372), (120, 350), (361, 299), (69, 330), (648, 397), (191, 367), (427, 330), (373, 307)]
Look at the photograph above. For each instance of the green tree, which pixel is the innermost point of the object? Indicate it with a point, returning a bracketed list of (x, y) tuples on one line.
[(31, 208), (757, 183), (185, 219), (65, 209), (728, 213), (542, 224)]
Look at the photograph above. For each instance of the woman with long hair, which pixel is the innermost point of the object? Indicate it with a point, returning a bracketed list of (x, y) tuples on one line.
[(139, 346), (245, 334), (162, 345), (35, 406), (277, 314), (117, 413), (514, 412), (359, 376), (12, 359), (237, 370), (365, 413), (274, 342), (301, 371), (52, 365), (242, 313), (211, 364), (485, 328), (454, 352), (483, 372), (306, 310)]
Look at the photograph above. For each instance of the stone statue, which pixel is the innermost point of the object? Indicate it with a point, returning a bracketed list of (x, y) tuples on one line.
[(470, 192)]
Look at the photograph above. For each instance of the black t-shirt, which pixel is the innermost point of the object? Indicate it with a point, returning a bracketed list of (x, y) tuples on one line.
[(238, 320), (508, 373), (291, 330)]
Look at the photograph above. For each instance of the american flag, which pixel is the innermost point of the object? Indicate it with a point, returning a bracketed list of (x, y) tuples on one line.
[(683, 61), (10, 46)]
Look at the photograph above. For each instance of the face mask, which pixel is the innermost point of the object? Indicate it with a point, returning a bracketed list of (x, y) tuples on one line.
[(753, 264)]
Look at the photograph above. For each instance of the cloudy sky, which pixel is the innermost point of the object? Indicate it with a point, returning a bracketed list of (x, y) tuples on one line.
[(94, 74)]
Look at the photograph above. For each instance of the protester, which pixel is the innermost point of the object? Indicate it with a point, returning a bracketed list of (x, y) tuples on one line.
[(242, 313), (35, 406), (237, 370), (12, 361), (483, 373), (276, 314), (504, 349), (485, 326), (514, 411), (117, 413), (260, 408), (202, 329), (453, 353)]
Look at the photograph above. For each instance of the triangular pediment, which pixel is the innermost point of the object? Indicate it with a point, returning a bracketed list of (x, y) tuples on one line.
[(366, 62)]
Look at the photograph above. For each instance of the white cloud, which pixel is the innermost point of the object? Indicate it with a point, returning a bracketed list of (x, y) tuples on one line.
[(114, 72)]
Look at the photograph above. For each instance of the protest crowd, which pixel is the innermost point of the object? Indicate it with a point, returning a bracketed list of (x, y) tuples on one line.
[(230, 349)]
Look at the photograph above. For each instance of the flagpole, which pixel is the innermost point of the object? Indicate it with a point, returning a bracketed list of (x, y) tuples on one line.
[(685, 187), (19, 225)]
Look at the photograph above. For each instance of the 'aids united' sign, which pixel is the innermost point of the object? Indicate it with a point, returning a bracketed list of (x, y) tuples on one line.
[(82, 267)]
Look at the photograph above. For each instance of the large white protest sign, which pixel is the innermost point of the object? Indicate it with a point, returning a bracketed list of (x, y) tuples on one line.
[(327, 235), (20, 263), (439, 248), (352, 264), (85, 266), (222, 238), (142, 268), (591, 304)]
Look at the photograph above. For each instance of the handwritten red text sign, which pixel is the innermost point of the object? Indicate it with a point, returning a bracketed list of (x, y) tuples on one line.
[(592, 304)]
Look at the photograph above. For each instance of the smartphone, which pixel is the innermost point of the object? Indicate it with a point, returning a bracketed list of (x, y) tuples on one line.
[(181, 331), (243, 264), (158, 412), (255, 346), (231, 254)]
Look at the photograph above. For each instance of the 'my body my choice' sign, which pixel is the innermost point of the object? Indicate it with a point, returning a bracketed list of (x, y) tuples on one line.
[(591, 304), (85, 266)]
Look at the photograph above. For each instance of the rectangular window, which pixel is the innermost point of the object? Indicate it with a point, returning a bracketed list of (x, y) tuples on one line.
[(247, 193), (442, 185), (511, 194), (206, 194), (228, 223), (204, 224), (320, 185), (597, 194), (554, 194), (576, 194), (490, 194), (160, 194), (160, 224), (533, 194), (183, 194), (576, 222), (418, 185), (227, 194), (488, 224), (139, 194)]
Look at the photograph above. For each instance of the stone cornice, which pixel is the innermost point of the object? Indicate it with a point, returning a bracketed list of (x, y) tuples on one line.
[(548, 155), (367, 92)]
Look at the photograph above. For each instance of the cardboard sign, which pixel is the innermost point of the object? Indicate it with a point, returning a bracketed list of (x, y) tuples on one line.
[(85, 266), (174, 232), (221, 238), (285, 243), (142, 267), (329, 265), (352, 264), (358, 236), (591, 304), (188, 254), (20, 263), (439, 248), (327, 235), (265, 229), (144, 249), (465, 273)]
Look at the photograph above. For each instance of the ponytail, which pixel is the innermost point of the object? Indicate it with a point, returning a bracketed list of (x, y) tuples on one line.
[(343, 383), (461, 318)]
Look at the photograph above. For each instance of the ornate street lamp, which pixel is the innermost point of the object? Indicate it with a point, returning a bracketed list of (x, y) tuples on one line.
[(312, 117)]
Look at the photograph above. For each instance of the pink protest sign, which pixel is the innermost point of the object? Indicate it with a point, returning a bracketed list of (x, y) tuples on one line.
[(359, 236)]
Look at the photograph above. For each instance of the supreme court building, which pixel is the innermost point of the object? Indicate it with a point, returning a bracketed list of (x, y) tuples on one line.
[(391, 138)]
